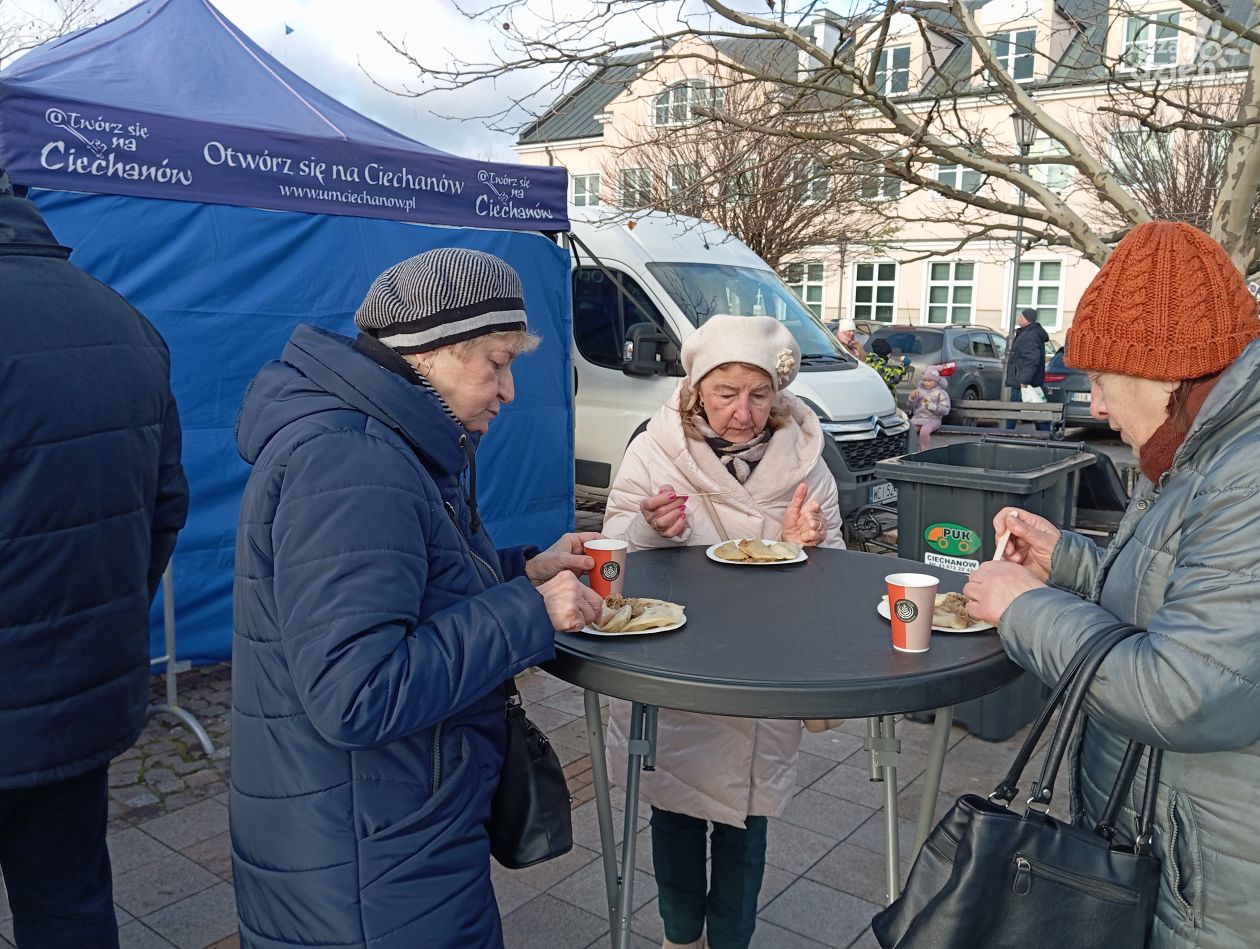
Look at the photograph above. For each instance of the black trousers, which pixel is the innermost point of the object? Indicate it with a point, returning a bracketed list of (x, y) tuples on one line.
[(56, 865)]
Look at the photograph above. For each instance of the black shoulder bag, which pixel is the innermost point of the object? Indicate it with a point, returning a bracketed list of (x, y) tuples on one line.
[(988, 876), (530, 816)]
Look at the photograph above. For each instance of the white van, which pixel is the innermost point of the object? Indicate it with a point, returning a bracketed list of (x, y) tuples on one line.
[(642, 284)]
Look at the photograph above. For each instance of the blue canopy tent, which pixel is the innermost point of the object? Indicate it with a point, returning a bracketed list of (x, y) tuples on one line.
[(229, 200)]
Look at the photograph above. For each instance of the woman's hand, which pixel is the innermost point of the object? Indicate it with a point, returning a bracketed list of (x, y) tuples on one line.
[(1032, 543), (994, 586), (803, 521), (565, 554), (665, 511), (570, 604)]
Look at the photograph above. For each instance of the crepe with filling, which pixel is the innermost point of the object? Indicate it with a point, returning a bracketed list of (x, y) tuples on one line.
[(730, 551), (951, 611), (637, 614), (757, 551)]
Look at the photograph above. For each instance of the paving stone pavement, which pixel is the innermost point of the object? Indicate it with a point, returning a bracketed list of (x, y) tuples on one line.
[(168, 834)]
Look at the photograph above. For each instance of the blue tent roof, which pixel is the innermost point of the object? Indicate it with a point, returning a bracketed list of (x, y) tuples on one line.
[(171, 100)]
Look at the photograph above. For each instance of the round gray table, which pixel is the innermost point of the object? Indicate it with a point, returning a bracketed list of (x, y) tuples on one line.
[(793, 641)]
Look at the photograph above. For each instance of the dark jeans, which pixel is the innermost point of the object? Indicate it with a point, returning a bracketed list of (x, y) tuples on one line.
[(56, 865), (1016, 396), (729, 907)]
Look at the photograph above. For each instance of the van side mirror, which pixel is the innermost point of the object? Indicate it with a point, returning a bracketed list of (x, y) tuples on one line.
[(649, 352)]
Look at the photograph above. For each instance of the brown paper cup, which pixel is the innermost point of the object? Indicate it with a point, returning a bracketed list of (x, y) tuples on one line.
[(608, 575), (911, 600)]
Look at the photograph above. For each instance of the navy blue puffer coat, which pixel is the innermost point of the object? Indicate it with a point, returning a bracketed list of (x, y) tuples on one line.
[(92, 495), (373, 627)]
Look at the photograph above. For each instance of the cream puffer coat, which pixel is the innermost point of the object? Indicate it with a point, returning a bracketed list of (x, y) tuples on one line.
[(1185, 569), (709, 766)]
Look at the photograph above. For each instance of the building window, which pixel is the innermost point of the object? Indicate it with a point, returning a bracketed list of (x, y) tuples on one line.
[(810, 180), (806, 279), (892, 72), (1054, 177), (1040, 284), (877, 187), (1151, 40), (674, 105), (636, 187), (1015, 50), (951, 287), (960, 177), (682, 180), (875, 291), (586, 191), (1137, 154)]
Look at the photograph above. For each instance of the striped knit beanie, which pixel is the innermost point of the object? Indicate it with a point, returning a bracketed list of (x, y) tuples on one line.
[(1168, 304), (441, 297)]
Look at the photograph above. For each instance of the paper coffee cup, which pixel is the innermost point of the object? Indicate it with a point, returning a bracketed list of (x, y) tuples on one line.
[(608, 575), (911, 601)]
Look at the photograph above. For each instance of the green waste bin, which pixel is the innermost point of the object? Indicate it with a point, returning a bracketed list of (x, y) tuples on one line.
[(947, 498)]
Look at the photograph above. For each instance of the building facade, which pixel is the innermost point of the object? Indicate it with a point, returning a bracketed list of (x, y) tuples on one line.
[(1065, 54)]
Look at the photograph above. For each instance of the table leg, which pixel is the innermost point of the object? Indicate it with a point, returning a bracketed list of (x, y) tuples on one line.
[(642, 749), (603, 801), (891, 826), (881, 742), (932, 776)]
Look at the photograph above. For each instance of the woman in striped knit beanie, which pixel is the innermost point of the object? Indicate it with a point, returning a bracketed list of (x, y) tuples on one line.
[(1167, 331), (376, 623)]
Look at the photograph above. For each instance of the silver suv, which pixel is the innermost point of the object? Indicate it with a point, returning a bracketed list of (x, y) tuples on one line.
[(972, 358)]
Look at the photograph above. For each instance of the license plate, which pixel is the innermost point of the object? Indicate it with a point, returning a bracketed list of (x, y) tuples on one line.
[(885, 493), (1081, 396)]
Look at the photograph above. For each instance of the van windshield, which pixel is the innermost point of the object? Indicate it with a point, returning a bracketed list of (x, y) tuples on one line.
[(702, 290)]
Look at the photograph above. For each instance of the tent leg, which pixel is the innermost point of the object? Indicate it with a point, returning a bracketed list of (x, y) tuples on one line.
[(171, 705)]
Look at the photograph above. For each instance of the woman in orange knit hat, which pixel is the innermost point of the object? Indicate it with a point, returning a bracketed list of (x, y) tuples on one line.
[(1167, 332)]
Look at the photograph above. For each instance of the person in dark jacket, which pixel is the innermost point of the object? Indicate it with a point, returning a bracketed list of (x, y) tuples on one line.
[(880, 359), (375, 621), (92, 496), (1026, 363)]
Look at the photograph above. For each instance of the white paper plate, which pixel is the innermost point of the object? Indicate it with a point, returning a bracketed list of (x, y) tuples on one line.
[(975, 627), (592, 631), (709, 552)]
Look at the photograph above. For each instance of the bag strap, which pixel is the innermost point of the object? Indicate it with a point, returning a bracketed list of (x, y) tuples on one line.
[(511, 694), (1146, 819), (1073, 703), (1008, 787), (1106, 826)]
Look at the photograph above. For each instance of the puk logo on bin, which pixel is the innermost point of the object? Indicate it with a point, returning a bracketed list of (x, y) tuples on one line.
[(953, 539), (905, 610), (610, 571)]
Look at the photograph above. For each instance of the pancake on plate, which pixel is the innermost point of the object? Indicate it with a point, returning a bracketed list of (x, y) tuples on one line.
[(636, 614)]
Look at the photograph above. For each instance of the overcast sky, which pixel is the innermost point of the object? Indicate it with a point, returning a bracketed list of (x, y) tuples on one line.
[(333, 41)]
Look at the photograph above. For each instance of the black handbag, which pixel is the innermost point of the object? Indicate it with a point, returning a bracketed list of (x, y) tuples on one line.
[(990, 877), (530, 816)]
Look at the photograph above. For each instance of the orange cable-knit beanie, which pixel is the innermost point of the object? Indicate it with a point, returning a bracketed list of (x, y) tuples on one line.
[(1167, 304)]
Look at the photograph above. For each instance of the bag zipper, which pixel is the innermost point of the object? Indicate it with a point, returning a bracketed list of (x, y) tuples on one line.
[(1027, 868)]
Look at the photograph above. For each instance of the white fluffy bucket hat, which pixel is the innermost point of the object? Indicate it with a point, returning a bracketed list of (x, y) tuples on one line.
[(760, 341)]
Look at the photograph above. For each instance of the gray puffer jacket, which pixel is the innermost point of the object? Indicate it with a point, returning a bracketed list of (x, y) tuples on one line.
[(1185, 568)]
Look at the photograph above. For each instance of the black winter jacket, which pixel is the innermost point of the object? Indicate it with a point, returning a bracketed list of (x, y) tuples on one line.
[(1027, 366), (92, 495)]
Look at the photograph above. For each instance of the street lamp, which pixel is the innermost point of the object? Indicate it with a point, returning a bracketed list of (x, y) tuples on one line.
[(1025, 135)]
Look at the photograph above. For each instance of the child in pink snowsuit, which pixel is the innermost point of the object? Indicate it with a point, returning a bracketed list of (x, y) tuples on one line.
[(929, 404)]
